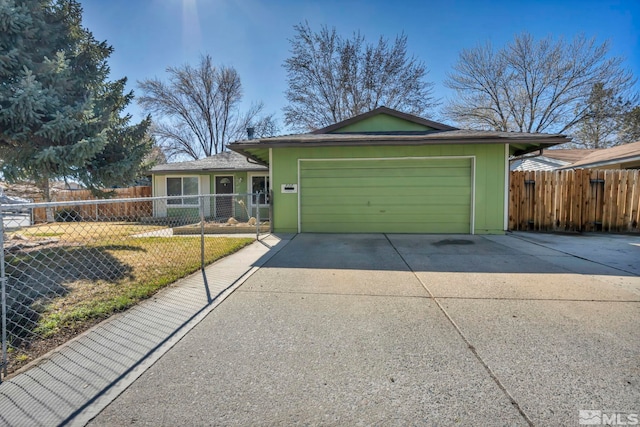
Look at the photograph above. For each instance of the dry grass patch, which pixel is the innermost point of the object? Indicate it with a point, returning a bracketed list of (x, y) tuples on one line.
[(89, 272), (85, 231)]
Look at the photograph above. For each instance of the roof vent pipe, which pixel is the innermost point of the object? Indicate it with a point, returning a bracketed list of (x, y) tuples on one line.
[(250, 132)]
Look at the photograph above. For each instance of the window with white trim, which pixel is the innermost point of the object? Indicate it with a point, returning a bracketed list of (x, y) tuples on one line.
[(183, 186), (260, 184)]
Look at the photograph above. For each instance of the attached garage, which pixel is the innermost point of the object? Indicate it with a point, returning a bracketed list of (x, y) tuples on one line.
[(407, 195), (389, 172)]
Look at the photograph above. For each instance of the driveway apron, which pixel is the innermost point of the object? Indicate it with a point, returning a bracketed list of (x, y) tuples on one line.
[(397, 330)]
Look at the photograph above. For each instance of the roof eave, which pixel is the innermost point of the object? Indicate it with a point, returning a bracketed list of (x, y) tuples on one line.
[(289, 143), (239, 147), (603, 163)]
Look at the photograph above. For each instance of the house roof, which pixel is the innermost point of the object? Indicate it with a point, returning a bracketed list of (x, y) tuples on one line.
[(225, 161), (389, 112), (364, 130), (627, 153), (519, 143), (536, 163), (568, 155)]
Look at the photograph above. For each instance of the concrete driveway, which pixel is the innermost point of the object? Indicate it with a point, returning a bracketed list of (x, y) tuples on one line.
[(406, 330)]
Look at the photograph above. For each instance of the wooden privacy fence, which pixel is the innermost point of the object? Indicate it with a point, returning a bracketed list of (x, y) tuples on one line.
[(127, 211), (575, 200)]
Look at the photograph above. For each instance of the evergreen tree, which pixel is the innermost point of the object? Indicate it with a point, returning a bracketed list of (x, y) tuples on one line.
[(59, 115), (604, 115), (630, 127)]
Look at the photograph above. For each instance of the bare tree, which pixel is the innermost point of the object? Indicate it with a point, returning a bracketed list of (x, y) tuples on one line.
[(331, 78), (532, 86), (197, 110)]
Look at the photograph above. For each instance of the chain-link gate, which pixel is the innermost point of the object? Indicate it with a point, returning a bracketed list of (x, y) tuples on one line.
[(66, 266)]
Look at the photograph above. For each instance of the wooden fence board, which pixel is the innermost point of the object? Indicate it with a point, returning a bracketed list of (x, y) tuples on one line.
[(635, 203), (624, 201), (575, 200), (126, 211), (601, 196)]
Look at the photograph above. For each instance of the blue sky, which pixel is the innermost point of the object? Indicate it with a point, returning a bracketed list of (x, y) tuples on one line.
[(150, 35)]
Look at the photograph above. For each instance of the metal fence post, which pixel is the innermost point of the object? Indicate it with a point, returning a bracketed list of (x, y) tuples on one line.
[(201, 198), (258, 216), (3, 283), (270, 204)]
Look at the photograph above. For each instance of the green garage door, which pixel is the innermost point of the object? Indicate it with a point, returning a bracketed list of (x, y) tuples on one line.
[(386, 196)]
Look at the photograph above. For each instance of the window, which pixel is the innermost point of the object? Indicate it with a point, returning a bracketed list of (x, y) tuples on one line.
[(260, 184), (183, 186)]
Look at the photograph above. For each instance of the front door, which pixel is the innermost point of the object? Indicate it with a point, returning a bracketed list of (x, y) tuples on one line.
[(224, 204)]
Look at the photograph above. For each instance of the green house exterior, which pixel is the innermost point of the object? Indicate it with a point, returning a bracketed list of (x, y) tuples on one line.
[(390, 172)]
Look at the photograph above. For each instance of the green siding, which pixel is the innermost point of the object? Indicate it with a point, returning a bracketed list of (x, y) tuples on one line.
[(400, 196), (382, 123), (186, 213), (489, 180)]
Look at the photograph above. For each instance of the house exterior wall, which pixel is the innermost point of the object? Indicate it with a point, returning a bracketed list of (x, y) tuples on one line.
[(380, 123), (489, 178), (207, 186)]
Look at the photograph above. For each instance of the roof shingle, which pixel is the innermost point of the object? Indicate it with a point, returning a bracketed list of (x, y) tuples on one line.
[(621, 153), (225, 161)]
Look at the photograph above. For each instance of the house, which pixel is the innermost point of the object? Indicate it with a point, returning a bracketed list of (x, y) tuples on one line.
[(389, 172), (625, 156), (549, 159), (223, 173)]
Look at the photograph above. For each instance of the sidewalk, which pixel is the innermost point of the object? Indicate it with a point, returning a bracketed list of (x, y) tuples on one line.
[(74, 382)]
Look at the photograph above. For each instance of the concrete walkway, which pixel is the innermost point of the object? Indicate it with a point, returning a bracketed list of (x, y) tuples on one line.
[(74, 382), (406, 330)]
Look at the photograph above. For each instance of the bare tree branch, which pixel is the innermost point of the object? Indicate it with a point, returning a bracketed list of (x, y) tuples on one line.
[(197, 110), (532, 86), (332, 78)]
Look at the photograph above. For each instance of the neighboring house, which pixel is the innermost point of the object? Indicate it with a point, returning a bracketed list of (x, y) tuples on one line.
[(626, 156), (390, 172), (549, 159), (224, 173)]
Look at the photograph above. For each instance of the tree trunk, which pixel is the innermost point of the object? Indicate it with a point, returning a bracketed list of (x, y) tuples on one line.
[(46, 194)]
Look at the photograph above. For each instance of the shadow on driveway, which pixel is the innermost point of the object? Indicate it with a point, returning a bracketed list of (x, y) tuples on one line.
[(397, 330)]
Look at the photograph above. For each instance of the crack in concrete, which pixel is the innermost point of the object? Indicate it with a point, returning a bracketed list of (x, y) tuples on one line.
[(470, 346)]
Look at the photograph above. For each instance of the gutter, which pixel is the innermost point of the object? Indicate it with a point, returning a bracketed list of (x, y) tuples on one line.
[(526, 156)]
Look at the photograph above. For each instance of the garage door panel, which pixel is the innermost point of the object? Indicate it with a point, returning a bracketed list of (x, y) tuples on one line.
[(381, 182), (378, 200), (394, 196), (391, 212), (396, 204), (420, 193), (398, 172), (417, 218), (386, 227), (382, 164)]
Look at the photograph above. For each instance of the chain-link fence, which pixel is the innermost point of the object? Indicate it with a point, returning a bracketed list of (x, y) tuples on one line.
[(66, 266)]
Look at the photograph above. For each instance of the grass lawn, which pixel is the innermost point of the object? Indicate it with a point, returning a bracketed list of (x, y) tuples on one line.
[(84, 272)]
